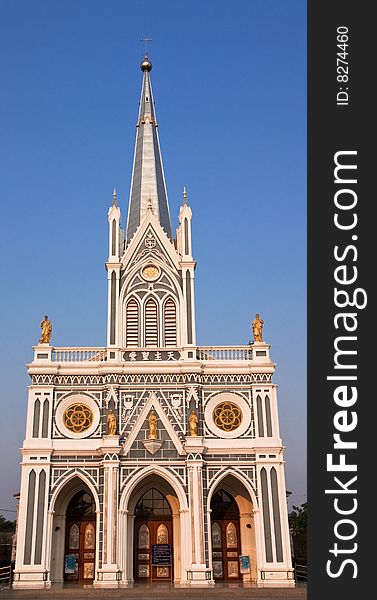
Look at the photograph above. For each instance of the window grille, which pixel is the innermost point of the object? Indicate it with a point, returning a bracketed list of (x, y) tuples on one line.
[(151, 323), (170, 323), (132, 323)]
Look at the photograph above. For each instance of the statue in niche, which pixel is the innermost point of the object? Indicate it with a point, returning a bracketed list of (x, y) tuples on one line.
[(46, 331), (257, 326), (193, 423), (152, 426), (111, 423)]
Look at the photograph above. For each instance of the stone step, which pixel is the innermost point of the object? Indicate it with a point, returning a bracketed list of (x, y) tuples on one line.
[(156, 593)]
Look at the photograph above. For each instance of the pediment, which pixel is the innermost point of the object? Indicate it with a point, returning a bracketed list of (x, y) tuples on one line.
[(153, 403), (150, 242)]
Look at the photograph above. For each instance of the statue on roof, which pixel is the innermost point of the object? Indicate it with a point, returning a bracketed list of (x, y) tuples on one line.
[(46, 327), (257, 327)]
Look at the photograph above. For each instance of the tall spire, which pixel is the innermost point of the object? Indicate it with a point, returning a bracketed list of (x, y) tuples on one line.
[(148, 188)]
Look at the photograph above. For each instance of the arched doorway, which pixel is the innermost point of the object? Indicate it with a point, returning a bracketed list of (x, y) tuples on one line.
[(153, 533), (226, 541), (80, 538)]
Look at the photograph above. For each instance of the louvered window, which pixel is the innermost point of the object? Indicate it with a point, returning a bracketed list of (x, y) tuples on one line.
[(170, 323), (132, 323), (151, 323)]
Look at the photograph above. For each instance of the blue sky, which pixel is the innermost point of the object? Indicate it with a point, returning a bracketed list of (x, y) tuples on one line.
[(229, 80)]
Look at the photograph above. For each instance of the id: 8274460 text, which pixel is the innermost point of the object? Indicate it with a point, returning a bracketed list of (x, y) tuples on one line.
[(342, 77)]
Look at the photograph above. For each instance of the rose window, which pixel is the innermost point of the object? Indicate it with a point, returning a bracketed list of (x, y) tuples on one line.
[(227, 416), (78, 418), (151, 273)]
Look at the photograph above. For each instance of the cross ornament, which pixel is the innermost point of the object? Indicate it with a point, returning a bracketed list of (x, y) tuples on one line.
[(146, 39)]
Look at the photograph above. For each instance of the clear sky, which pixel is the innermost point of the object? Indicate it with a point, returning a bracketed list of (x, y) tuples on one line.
[(229, 80)]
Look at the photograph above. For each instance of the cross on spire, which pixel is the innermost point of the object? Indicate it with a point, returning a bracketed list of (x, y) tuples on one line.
[(146, 39)]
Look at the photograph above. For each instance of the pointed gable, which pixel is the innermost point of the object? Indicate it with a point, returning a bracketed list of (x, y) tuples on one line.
[(137, 442)]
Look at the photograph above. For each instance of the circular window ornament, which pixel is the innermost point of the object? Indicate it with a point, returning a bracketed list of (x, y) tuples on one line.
[(78, 418), (150, 273), (227, 416)]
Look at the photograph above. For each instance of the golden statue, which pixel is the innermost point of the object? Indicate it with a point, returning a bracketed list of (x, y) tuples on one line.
[(193, 423), (111, 423), (257, 328), (152, 426), (46, 331)]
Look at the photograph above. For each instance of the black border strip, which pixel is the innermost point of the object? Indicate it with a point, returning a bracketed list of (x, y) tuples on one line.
[(336, 128)]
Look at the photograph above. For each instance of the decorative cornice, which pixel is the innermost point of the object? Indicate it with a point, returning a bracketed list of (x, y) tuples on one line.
[(151, 379)]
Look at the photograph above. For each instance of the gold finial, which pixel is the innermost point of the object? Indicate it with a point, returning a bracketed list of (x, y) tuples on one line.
[(257, 326), (184, 195), (46, 330), (114, 197)]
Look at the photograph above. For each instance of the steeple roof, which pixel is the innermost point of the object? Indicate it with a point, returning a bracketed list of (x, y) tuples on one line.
[(148, 188)]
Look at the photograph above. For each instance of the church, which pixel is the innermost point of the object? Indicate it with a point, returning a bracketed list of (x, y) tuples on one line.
[(152, 459)]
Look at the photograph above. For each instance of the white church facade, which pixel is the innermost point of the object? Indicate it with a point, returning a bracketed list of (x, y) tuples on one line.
[(152, 458)]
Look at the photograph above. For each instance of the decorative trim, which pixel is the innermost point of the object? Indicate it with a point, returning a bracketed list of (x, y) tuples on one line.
[(146, 378)]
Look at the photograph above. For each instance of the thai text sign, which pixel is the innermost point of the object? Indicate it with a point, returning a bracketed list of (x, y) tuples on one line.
[(161, 554)]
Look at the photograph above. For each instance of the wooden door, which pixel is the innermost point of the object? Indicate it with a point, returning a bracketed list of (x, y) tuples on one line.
[(226, 549), (148, 532), (80, 551)]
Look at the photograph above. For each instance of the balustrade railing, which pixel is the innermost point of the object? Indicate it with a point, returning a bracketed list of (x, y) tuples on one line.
[(79, 354), (202, 353), (224, 353)]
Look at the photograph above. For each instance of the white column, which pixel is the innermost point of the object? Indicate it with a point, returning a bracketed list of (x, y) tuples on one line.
[(123, 546), (274, 573), (109, 574), (130, 549), (247, 541), (29, 574), (199, 572), (178, 556)]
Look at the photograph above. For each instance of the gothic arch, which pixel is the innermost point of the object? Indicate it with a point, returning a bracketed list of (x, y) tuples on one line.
[(237, 475), (144, 473), (70, 492), (163, 480), (233, 482), (61, 497)]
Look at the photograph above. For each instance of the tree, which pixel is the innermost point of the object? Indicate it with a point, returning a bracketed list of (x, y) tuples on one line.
[(7, 526), (298, 526)]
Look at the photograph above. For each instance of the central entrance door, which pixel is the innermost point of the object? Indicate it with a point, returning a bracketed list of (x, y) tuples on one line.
[(153, 525), (80, 540), (226, 544)]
